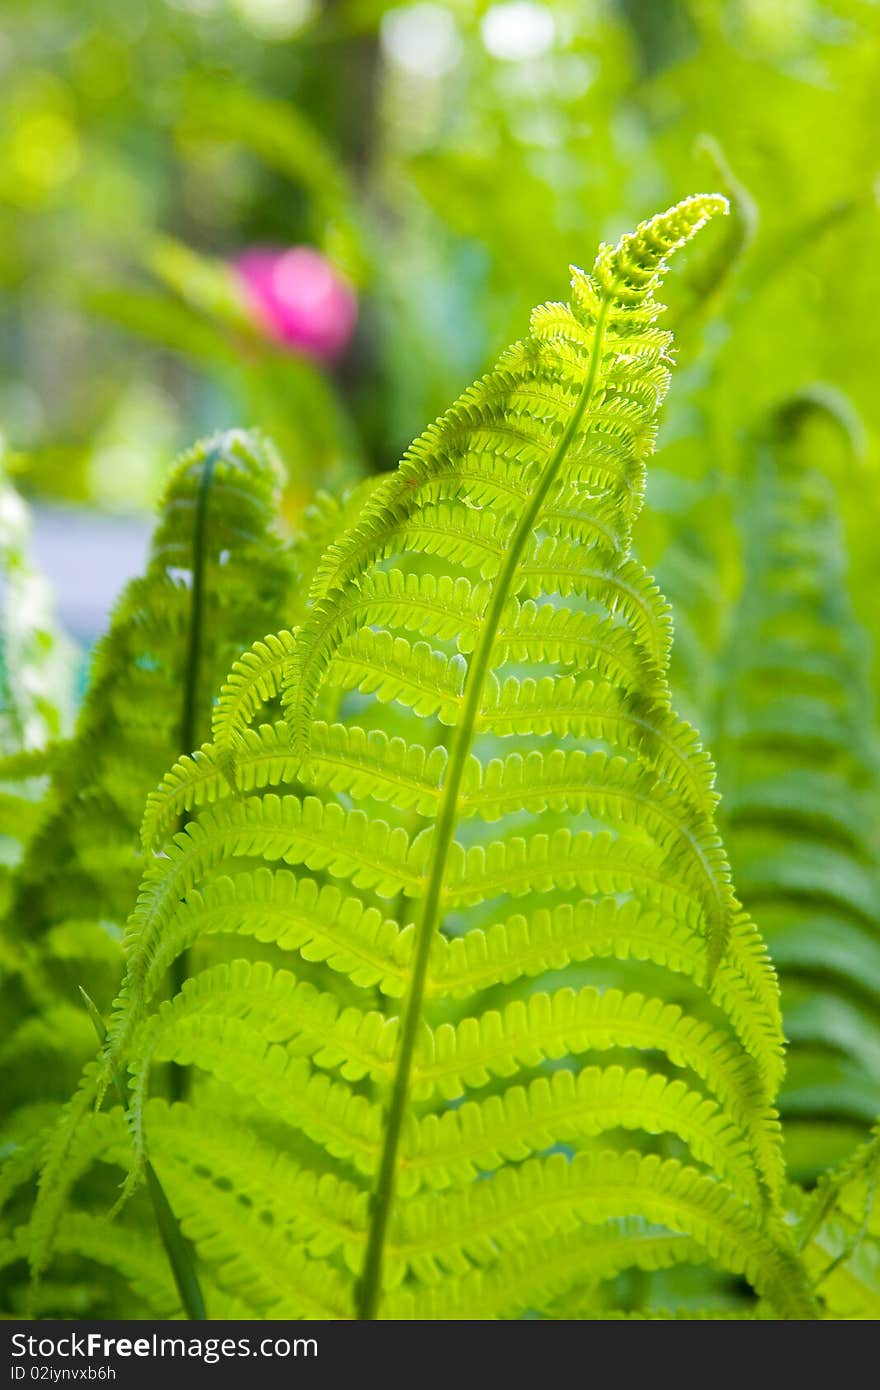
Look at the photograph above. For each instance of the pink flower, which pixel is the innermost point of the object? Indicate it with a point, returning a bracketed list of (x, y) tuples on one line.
[(298, 299)]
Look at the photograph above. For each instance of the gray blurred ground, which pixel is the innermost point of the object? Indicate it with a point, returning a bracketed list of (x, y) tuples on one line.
[(87, 557)]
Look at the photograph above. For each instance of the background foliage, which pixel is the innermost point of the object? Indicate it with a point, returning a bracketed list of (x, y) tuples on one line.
[(459, 155)]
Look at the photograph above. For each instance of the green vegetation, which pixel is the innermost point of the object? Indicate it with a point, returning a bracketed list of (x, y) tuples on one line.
[(470, 869)]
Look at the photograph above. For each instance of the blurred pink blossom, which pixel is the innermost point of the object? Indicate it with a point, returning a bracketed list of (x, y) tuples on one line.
[(298, 299)]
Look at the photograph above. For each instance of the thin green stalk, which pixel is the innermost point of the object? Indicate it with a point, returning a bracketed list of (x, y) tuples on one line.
[(370, 1282), (188, 734), (174, 1242)]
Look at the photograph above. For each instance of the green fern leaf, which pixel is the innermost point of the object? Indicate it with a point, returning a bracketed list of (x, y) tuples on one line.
[(801, 809), (549, 814), (216, 575)]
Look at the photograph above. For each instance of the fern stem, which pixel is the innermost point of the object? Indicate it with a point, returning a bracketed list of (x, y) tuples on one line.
[(370, 1283), (189, 709), (197, 617)]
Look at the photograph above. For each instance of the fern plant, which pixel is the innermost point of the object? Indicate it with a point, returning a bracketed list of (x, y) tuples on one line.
[(218, 573), (217, 570), (839, 1233), (798, 758), (417, 1096)]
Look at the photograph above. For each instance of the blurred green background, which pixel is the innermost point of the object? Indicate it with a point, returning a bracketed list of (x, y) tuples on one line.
[(450, 160)]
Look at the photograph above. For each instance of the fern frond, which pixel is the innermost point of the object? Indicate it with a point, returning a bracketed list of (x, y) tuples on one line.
[(256, 677), (455, 1058), (839, 1233), (217, 569), (518, 1281), (799, 755), (478, 782), (217, 573), (553, 1193)]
